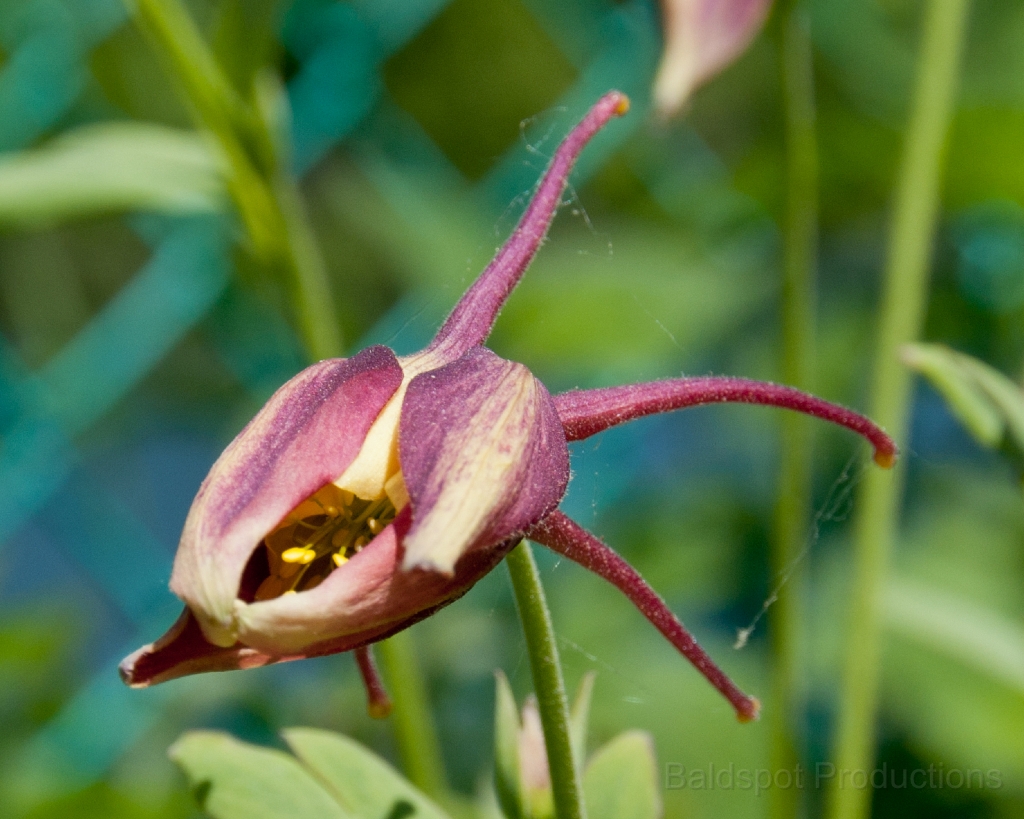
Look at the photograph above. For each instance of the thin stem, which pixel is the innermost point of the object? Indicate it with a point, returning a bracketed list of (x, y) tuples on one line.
[(318, 323), (377, 701), (798, 342), (547, 682), (217, 107), (415, 733), (263, 189), (903, 305)]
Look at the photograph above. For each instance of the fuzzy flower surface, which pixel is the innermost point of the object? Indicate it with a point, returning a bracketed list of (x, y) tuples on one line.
[(372, 491)]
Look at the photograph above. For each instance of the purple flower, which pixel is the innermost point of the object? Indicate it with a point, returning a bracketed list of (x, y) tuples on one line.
[(372, 491)]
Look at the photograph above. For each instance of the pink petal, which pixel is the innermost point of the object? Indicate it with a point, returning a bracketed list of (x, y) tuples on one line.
[(305, 437), (701, 38), (483, 456), (473, 317), (366, 600)]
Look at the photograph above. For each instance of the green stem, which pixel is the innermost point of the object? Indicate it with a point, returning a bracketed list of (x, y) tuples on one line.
[(903, 305), (314, 304), (798, 344), (266, 196), (547, 682), (415, 733)]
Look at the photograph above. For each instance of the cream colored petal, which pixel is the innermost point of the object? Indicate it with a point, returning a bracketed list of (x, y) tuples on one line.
[(483, 456)]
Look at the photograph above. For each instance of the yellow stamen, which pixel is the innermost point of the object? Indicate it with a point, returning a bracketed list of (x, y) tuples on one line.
[(333, 522), (298, 554)]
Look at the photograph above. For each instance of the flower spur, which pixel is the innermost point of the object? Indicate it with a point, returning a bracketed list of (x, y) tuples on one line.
[(372, 491)]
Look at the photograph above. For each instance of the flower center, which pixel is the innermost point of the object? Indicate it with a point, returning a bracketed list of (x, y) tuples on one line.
[(320, 535)]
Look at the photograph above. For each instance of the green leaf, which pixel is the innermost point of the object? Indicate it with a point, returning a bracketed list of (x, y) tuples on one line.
[(621, 780), (507, 779), (579, 717), (957, 383), (235, 780), (959, 628), (112, 167), (1004, 393), (361, 780)]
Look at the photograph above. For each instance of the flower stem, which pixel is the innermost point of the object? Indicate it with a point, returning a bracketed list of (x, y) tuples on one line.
[(264, 193), (904, 301), (415, 733), (547, 682), (800, 248)]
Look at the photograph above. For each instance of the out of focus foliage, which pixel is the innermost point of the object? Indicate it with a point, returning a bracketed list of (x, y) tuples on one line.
[(139, 333)]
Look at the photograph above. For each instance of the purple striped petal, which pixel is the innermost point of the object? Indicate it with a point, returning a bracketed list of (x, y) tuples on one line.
[(483, 456), (305, 437)]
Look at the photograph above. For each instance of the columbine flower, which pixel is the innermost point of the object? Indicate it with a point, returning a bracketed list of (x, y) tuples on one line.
[(370, 492)]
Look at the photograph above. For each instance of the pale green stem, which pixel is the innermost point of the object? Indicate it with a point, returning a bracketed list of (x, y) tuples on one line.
[(904, 300), (800, 244), (415, 733), (547, 682), (267, 201), (318, 323)]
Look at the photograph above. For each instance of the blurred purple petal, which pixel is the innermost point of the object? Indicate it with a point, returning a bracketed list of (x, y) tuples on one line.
[(701, 38)]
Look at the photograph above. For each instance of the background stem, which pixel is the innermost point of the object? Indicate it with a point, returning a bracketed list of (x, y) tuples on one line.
[(415, 732), (263, 188), (904, 301), (800, 247), (547, 682)]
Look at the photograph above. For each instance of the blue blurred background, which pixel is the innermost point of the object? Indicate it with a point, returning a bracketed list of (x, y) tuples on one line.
[(137, 335)]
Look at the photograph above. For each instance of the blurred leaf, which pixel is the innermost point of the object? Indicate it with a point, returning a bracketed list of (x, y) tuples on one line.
[(951, 712), (981, 397), (579, 717), (968, 402), (235, 780), (364, 782), (507, 780), (629, 303), (1005, 394), (961, 629), (621, 780), (948, 666), (111, 167)]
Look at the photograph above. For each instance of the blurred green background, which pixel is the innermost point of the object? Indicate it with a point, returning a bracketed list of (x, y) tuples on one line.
[(137, 335)]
